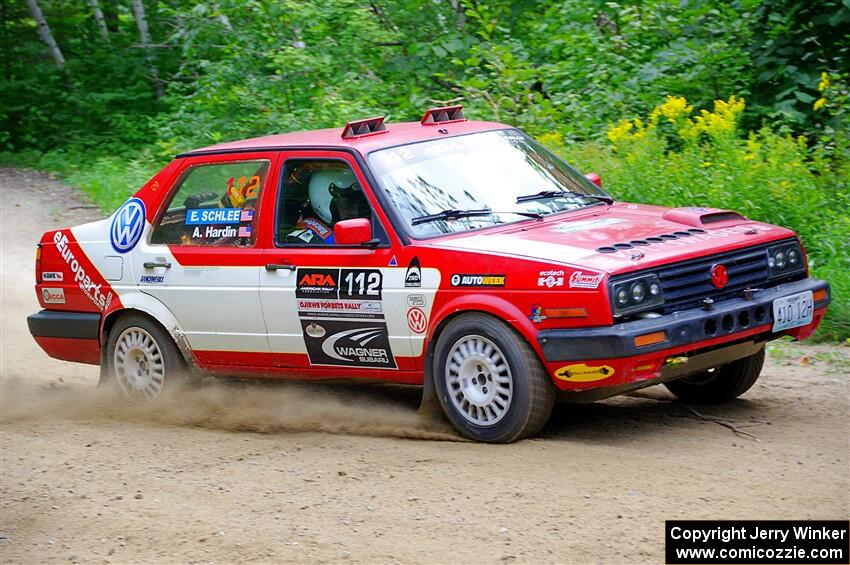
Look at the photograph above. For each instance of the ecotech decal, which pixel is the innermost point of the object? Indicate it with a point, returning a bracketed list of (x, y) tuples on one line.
[(89, 288)]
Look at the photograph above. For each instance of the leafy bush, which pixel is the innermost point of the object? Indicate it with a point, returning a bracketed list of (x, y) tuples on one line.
[(676, 158)]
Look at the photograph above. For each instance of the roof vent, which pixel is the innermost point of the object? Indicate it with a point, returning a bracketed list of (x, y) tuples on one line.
[(362, 128), (444, 115)]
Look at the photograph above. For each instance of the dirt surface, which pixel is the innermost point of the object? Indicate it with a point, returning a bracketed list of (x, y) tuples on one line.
[(294, 473)]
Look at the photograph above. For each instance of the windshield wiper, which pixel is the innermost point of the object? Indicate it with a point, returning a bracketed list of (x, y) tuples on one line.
[(561, 193), (452, 214)]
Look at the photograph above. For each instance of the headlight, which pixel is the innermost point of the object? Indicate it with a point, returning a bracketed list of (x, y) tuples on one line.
[(637, 293), (784, 259)]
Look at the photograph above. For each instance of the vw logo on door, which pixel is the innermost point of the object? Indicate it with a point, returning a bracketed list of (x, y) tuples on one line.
[(127, 225)]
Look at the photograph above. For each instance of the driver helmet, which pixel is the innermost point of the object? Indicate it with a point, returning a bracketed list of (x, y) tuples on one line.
[(327, 184)]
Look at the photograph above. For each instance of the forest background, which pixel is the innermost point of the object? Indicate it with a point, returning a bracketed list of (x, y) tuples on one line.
[(734, 104)]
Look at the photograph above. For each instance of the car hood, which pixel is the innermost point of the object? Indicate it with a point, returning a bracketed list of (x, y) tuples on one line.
[(623, 237)]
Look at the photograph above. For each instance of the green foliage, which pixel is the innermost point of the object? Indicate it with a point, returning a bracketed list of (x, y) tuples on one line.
[(563, 71), (674, 159)]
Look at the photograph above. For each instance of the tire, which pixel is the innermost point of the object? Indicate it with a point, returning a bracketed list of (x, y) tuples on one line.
[(141, 359), (721, 384), (513, 398)]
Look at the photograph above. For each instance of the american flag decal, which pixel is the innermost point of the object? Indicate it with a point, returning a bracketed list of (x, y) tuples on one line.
[(246, 216), (245, 231)]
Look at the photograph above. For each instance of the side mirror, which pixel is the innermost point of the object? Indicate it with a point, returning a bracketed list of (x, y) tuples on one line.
[(594, 178), (356, 231)]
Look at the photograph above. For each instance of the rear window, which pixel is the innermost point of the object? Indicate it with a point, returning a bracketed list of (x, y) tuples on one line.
[(214, 205)]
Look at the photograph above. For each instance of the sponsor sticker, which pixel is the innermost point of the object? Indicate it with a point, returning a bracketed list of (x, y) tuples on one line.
[(127, 225), (550, 279), (53, 295), (570, 227), (581, 279), (152, 279), (417, 320), (315, 330), (537, 314), (316, 308), (417, 300), (582, 373), (52, 276), (205, 216), (413, 275), (348, 344), (393, 262), (478, 280), (317, 283), (86, 284), (212, 232)]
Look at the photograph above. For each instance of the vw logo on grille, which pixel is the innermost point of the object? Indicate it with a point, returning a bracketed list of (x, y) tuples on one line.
[(127, 225), (719, 275)]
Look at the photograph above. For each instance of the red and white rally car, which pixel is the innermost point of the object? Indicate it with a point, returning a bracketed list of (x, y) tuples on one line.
[(454, 254)]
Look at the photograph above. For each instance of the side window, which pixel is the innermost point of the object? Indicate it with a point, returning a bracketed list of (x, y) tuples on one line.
[(214, 205), (315, 195)]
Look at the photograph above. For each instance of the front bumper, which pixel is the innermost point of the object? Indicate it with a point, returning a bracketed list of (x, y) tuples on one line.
[(683, 328)]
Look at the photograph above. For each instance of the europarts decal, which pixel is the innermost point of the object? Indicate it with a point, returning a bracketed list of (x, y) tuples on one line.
[(91, 290)]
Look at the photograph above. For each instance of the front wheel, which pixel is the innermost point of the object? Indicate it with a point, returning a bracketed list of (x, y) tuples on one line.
[(720, 384), (140, 358), (490, 383)]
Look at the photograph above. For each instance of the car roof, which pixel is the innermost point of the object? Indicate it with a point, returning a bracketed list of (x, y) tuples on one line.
[(397, 133)]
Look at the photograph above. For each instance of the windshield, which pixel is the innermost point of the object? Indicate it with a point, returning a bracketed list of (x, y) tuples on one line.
[(503, 171)]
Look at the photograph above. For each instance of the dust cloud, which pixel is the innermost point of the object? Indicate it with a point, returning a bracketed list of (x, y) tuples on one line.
[(233, 406)]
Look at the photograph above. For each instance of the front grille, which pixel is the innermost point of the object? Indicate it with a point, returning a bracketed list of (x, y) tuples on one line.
[(687, 284)]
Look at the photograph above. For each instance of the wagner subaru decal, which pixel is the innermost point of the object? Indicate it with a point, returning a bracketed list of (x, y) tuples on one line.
[(127, 225), (348, 343)]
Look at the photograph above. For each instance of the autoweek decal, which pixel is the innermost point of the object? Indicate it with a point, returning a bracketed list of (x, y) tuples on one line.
[(478, 280), (342, 319)]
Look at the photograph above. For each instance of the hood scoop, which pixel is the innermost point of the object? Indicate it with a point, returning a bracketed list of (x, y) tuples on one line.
[(690, 232), (697, 217)]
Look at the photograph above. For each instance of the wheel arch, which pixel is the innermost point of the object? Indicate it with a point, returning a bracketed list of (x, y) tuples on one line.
[(469, 304), (154, 310)]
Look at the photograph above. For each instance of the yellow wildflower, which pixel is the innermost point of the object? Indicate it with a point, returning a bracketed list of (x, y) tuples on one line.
[(620, 131), (706, 164), (673, 108), (819, 103), (552, 139), (824, 83)]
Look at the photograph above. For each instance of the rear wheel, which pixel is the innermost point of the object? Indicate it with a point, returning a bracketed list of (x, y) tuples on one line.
[(141, 358), (720, 384), (490, 383)]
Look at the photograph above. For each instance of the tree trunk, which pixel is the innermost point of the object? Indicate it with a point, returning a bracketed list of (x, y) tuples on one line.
[(98, 17), (45, 35), (145, 37)]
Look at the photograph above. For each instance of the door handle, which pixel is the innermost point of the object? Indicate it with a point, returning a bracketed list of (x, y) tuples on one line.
[(278, 266), (154, 264)]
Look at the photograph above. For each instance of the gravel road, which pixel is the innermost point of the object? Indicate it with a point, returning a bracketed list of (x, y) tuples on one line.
[(233, 473)]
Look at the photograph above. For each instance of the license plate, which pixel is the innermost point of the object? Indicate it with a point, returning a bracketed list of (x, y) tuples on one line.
[(793, 311)]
